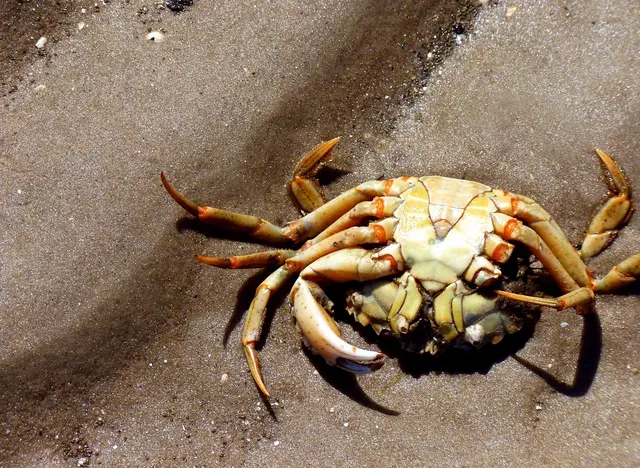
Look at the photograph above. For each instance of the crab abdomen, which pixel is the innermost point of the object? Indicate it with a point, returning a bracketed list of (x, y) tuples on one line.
[(442, 231)]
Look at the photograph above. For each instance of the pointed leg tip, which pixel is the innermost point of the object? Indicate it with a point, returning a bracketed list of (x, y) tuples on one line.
[(618, 178), (254, 366), (183, 201)]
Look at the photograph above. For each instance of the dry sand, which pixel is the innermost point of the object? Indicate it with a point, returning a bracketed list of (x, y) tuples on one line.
[(118, 349)]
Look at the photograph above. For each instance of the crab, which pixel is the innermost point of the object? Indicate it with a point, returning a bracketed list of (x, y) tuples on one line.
[(425, 254)]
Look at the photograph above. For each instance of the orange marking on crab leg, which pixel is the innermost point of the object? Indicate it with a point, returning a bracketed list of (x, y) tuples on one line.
[(379, 232), (511, 228), (379, 205), (393, 264), (501, 252), (497, 248), (387, 186), (514, 206)]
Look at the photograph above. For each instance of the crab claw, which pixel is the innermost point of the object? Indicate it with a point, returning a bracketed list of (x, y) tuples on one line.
[(322, 335)]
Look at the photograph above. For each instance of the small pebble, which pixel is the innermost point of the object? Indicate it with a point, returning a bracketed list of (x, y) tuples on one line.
[(276, 442), (81, 26), (155, 36), (224, 378), (564, 325), (510, 11), (538, 407), (346, 424), (41, 42), (84, 461)]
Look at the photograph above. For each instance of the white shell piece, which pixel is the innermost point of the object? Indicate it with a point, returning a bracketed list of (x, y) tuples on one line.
[(155, 36), (474, 333)]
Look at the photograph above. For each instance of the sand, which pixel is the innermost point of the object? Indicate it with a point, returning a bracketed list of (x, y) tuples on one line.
[(119, 349)]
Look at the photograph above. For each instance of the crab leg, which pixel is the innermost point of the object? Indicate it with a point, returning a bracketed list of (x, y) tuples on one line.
[(621, 275), (304, 187), (375, 233), (615, 212), (255, 319), (320, 332), (574, 298), (602, 231), (379, 207), (255, 260), (318, 220), (546, 228), (296, 231), (513, 229), (227, 220)]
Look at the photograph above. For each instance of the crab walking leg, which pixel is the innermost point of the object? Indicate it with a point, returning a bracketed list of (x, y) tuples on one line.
[(304, 188), (615, 212), (379, 207), (317, 221), (255, 319), (546, 228), (320, 332), (574, 298), (621, 275), (269, 258), (228, 220), (375, 233), (603, 229), (512, 229)]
